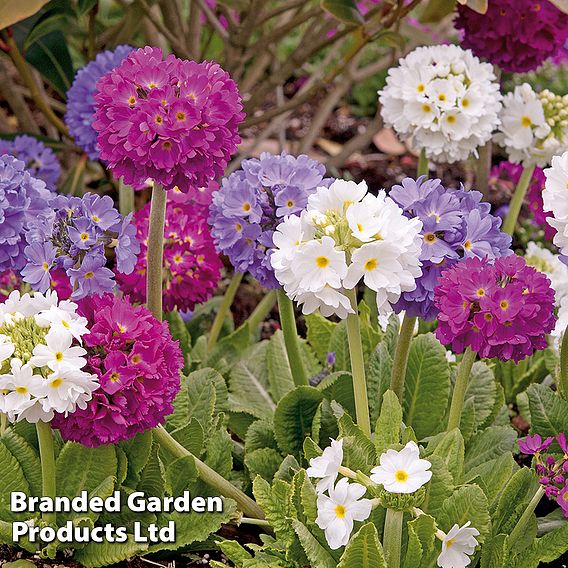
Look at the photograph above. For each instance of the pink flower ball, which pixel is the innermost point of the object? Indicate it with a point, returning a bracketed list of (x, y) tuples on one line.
[(138, 365), (503, 310), (173, 121)]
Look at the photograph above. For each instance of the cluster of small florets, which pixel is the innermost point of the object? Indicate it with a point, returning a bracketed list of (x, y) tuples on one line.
[(253, 201), (138, 366), (445, 99), (343, 236), (534, 126), (502, 309), (171, 120), (75, 239), (456, 224), (191, 267), (40, 161), (40, 359), (552, 472), (516, 35)]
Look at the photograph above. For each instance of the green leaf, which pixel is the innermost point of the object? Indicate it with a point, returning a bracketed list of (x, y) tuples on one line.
[(260, 435), (549, 412), (137, 450), (427, 387), (293, 419), (95, 554), (180, 474), (357, 443), (319, 334), (495, 552), (339, 387), (153, 475), (483, 388), (219, 452), (344, 10), (546, 549), (421, 537), (190, 436), (234, 552), (489, 444), (468, 503), (280, 380), (275, 502), (316, 553), (364, 550), (378, 377), (387, 431), (451, 450), (27, 457), (339, 345), (493, 475), (179, 332), (12, 480), (84, 6), (439, 488), (264, 462)]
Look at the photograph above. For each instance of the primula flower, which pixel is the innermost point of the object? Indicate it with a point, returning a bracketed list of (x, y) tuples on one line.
[(310, 257), (138, 366), (23, 200), (75, 239), (10, 281), (40, 361), (555, 199), (39, 160), (503, 310), (445, 99), (457, 547), (516, 35), (456, 225), (171, 120), (534, 126), (191, 264), (402, 472), (337, 512), (562, 500), (534, 444), (327, 466), (252, 201), (81, 102)]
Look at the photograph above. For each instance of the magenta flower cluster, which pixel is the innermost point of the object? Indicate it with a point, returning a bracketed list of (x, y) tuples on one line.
[(552, 473), (191, 264), (516, 35), (172, 120), (11, 280), (502, 309), (138, 365)]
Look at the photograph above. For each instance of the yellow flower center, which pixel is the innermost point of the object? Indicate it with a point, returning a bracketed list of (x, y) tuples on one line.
[(290, 203), (480, 292), (430, 238), (467, 245), (322, 261), (121, 328), (159, 119), (450, 543), (426, 108), (442, 97), (340, 511), (451, 119), (526, 121), (64, 324), (503, 304), (401, 476), (421, 88), (246, 206), (56, 383), (21, 390), (371, 264), (465, 103), (84, 236), (45, 266), (59, 356), (114, 377), (132, 100), (136, 359), (89, 275), (180, 116)]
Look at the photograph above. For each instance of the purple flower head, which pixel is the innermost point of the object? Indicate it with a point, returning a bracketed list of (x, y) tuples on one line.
[(171, 120), (24, 200), (80, 232), (456, 225), (81, 102), (39, 160), (330, 359), (534, 444), (563, 443), (502, 308), (516, 35), (252, 201)]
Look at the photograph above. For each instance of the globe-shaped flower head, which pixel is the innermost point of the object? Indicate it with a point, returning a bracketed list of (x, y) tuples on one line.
[(40, 160), (81, 102), (516, 35), (171, 120), (456, 225), (191, 263), (23, 201), (503, 310), (251, 203), (444, 98), (138, 366)]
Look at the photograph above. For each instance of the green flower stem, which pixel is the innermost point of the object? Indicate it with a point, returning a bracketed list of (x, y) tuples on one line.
[(520, 527), (155, 257), (3, 423), (291, 339), (400, 362), (358, 365), (125, 198), (563, 379), (47, 456), (460, 387), (247, 505), (257, 522), (392, 537), (423, 164), (517, 200), (262, 310), (223, 310)]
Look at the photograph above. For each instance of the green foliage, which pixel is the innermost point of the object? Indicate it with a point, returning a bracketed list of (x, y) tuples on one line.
[(548, 412), (364, 550)]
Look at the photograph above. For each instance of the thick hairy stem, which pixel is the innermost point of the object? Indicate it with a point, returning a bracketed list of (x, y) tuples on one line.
[(460, 387), (291, 339), (423, 164), (262, 310), (224, 310), (47, 456), (358, 366), (155, 255), (521, 525), (517, 200), (392, 537), (125, 198), (400, 362)]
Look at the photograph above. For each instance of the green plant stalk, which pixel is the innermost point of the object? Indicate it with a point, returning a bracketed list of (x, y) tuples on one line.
[(247, 505), (563, 378), (460, 387), (423, 164), (517, 200), (155, 255), (125, 198), (358, 365), (224, 308), (47, 456), (517, 532), (262, 310), (291, 339), (78, 170), (400, 362), (3, 423), (392, 537)]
